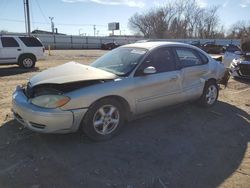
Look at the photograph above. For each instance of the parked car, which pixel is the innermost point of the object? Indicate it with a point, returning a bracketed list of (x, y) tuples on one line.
[(21, 50), (241, 67), (231, 48), (125, 82), (212, 48), (196, 43), (109, 46)]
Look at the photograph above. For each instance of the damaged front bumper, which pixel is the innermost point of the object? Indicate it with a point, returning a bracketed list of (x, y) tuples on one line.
[(44, 120), (240, 69)]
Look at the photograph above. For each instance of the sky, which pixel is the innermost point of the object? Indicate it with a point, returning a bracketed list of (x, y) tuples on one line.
[(78, 16)]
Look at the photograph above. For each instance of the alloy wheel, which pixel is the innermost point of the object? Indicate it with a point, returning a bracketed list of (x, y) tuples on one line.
[(106, 119)]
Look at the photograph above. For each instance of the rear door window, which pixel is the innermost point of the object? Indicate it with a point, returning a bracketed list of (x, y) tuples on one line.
[(31, 41), (9, 42), (188, 57), (203, 58)]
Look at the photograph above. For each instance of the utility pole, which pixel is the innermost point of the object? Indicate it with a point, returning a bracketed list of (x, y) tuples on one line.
[(94, 30), (27, 16), (52, 24)]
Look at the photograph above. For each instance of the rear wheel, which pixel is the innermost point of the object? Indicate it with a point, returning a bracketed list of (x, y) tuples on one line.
[(210, 94), (103, 120), (27, 61)]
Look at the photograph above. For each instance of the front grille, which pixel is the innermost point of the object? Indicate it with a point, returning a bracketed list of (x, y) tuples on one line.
[(244, 69)]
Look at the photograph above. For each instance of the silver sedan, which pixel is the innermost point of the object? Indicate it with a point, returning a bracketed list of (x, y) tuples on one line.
[(128, 81)]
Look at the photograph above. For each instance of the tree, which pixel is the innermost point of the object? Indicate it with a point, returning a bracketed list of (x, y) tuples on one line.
[(179, 19), (240, 30), (3, 31)]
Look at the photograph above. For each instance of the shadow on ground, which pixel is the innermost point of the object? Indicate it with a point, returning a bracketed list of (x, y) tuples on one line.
[(13, 70), (181, 147), (243, 80)]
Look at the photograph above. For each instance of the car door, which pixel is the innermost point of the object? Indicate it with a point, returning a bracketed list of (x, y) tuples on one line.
[(194, 69), (161, 88), (10, 50)]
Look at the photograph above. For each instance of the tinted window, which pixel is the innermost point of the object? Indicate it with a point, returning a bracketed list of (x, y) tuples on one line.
[(162, 59), (9, 42), (188, 57), (232, 49), (203, 58), (31, 41)]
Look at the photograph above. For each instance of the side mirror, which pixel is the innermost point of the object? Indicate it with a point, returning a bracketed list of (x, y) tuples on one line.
[(149, 70), (237, 53)]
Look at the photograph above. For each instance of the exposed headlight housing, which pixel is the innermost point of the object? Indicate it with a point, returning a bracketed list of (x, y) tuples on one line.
[(50, 101)]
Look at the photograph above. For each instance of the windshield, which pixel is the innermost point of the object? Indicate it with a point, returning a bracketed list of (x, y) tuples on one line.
[(120, 61)]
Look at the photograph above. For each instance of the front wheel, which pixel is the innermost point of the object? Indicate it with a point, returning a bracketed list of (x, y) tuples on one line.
[(103, 120), (210, 94)]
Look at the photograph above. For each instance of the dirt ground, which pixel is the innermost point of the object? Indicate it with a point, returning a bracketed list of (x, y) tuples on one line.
[(184, 146)]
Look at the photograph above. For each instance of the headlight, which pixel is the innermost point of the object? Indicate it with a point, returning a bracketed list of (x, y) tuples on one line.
[(235, 62), (50, 101)]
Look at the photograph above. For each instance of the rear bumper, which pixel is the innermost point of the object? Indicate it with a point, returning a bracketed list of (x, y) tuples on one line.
[(41, 57), (44, 120)]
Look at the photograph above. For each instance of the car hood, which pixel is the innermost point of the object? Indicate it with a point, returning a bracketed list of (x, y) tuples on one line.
[(70, 72)]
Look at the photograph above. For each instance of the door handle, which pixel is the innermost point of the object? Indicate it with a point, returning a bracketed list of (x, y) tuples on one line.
[(19, 49)]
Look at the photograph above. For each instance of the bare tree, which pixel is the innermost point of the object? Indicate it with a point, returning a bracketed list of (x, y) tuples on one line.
[(179, 19), (150, 24), (240, 30)]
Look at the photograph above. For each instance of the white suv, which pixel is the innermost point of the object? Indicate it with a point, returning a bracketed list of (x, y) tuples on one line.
[(21, 50)]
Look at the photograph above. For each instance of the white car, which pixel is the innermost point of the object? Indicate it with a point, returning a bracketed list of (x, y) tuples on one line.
[(21, 50)]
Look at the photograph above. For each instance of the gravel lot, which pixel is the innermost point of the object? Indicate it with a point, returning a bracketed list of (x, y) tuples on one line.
[(184, 146)]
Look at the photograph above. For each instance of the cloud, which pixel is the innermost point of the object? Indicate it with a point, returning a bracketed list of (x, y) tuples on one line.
[(130, 3), (225, 3), (245, 3), (157, 3), (202, 3)]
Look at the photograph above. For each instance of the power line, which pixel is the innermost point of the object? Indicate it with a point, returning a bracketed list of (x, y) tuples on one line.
[(32, 16), (69, 24), (44, 16), (3, 5)]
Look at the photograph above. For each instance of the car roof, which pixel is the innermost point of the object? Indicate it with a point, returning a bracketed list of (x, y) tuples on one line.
[(152, 45)]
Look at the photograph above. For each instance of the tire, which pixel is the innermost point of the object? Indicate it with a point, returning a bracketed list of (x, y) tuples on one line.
[(210, 94), (108, 116), (27, 61)]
